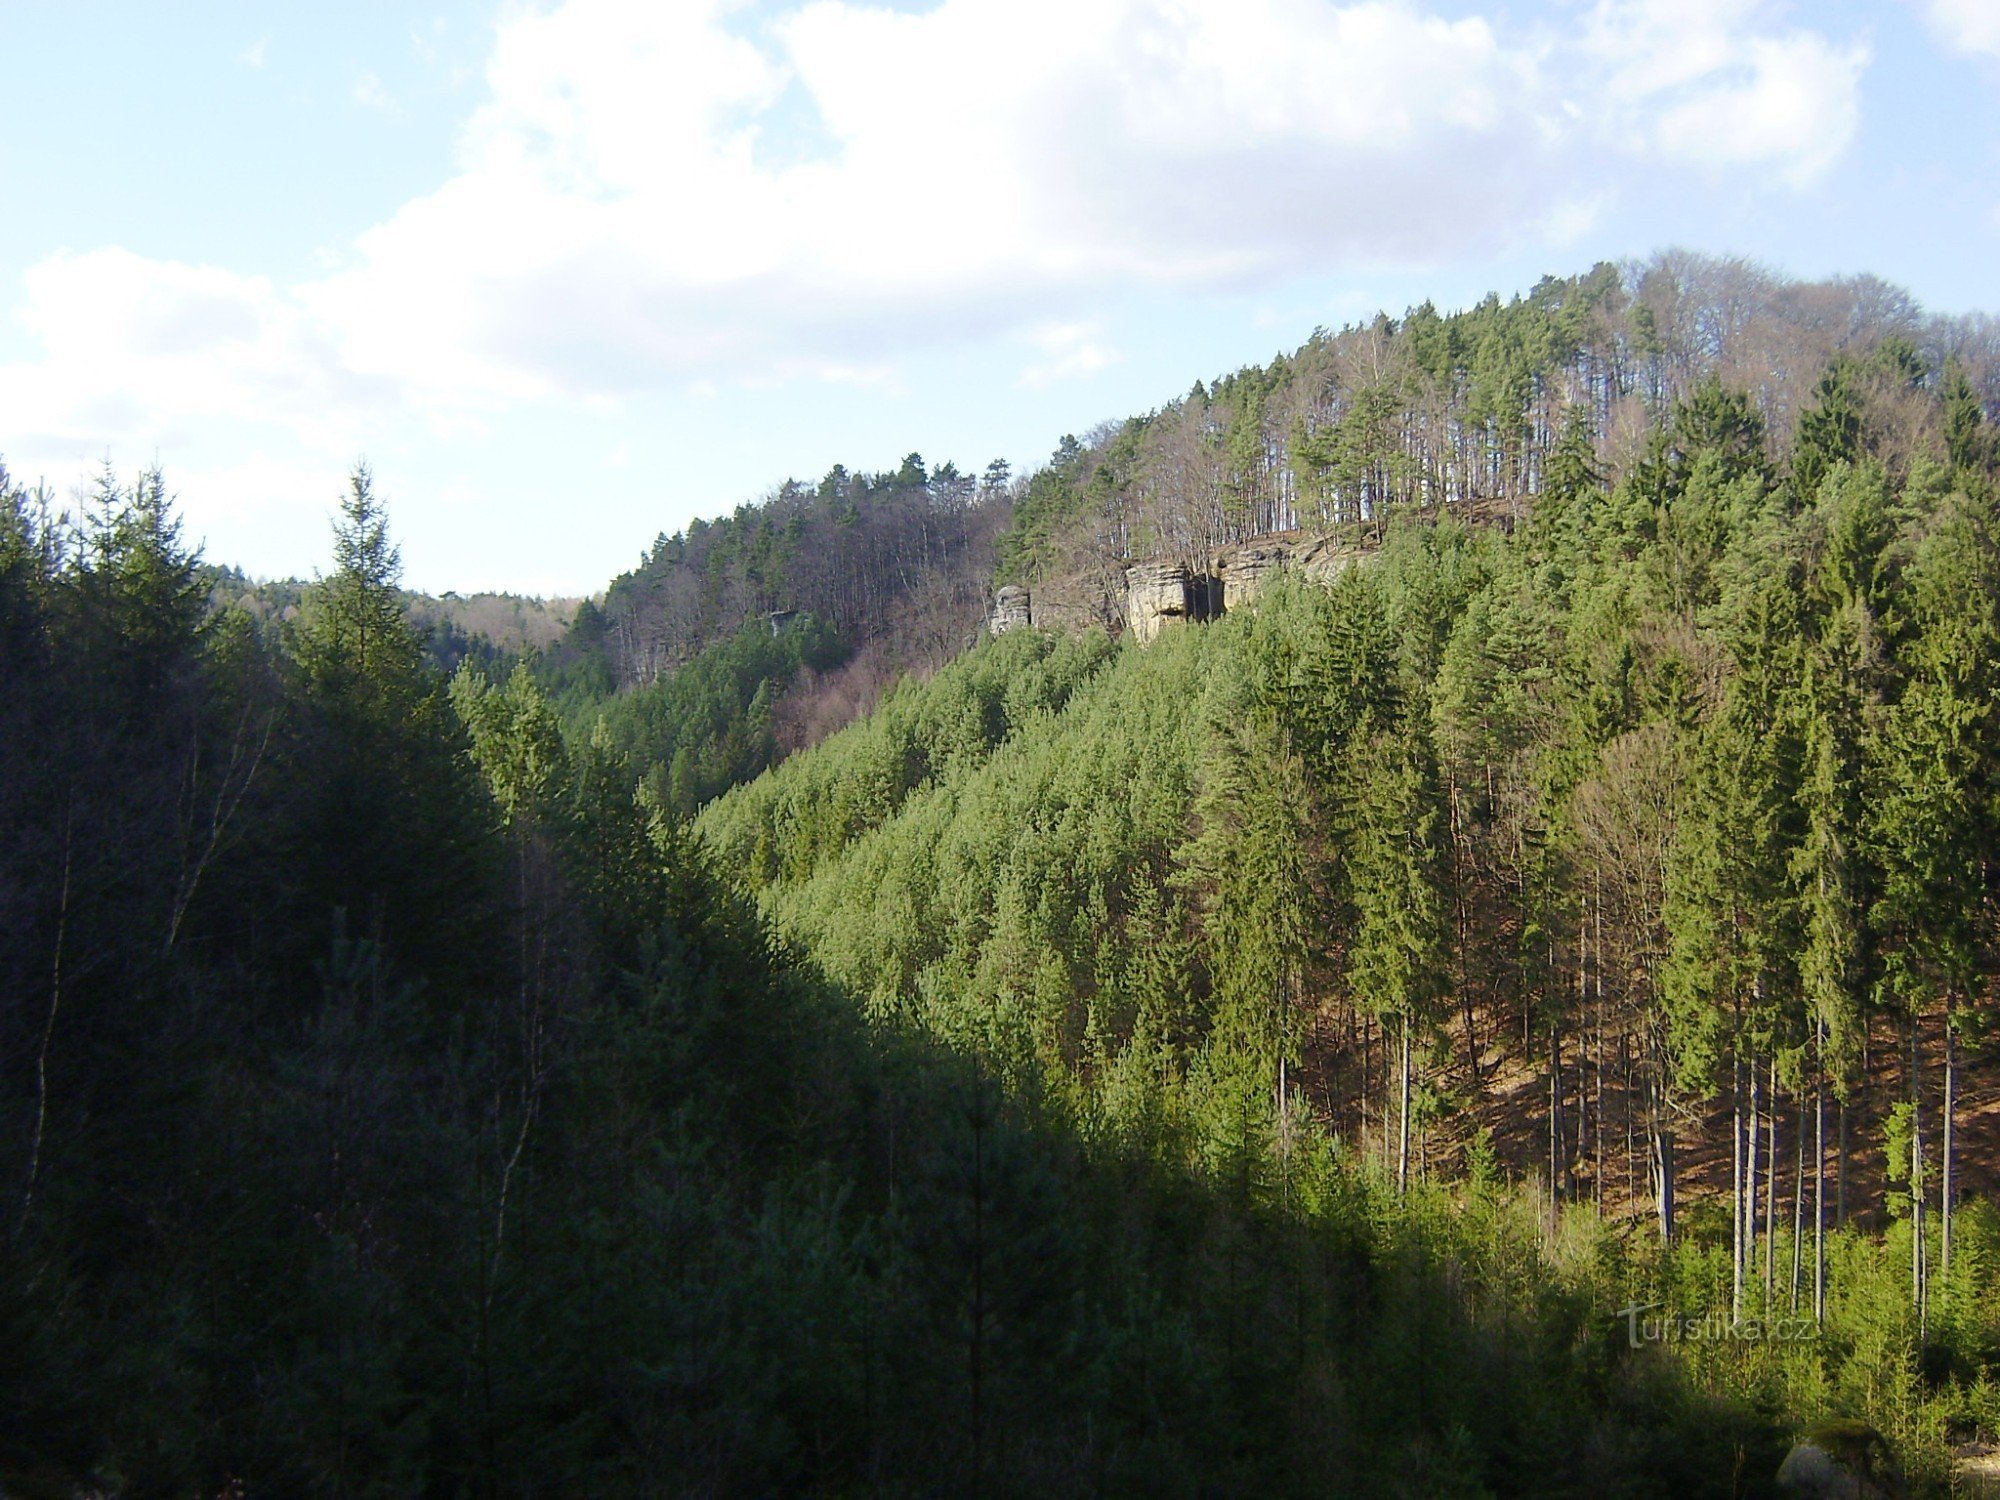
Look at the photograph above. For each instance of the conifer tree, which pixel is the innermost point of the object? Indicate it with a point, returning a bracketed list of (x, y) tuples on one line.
[(1967, 436), (1396, 957), (357, 632), (1829, 432)]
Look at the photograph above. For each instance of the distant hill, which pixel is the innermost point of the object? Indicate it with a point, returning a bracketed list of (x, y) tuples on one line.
[(902, 559), (487, 627)]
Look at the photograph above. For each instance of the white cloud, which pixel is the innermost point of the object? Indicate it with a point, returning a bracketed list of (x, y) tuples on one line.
[(370, 93), (648, 193), (1967, 25), (652, 196), (253, 487), (132, 346), (1796, 106), (253, 55), (1068, 350), (1710, 82)]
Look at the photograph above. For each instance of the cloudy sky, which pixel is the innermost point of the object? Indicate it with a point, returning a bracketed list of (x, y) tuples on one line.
[(570, 274)]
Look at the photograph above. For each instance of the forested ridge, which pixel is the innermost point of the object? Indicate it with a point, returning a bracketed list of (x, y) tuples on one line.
[(1656, 826), (1468, 410), (1272, 1060), (1427, 412)]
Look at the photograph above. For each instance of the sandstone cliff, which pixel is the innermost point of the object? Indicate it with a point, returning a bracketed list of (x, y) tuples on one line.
[(1160, 595)]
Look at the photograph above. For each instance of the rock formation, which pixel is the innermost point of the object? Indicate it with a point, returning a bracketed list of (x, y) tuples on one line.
[(1011, 610), (1247, 568), (1156, 596), (1072, 604), (1161, 594)]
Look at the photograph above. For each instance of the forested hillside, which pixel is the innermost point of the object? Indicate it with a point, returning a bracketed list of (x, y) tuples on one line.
[(1284, 1058), (492, 630), (1469, 409), (395, 1102), (1657, 824), (900, 558), (1465, 411)]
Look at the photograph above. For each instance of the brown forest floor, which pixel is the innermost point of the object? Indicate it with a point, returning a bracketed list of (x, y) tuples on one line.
[(1511, 1102)]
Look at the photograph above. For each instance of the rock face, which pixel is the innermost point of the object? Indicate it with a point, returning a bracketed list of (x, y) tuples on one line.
[(1158, 595), (1247, 568), (1975, 1471), (1011, 610), (1060, 604), (1842, 1460)]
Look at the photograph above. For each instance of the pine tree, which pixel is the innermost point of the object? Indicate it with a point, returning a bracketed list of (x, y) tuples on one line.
[(1967, 437), (1829, 432), (1397, 953), (357, 630), (139, 603)]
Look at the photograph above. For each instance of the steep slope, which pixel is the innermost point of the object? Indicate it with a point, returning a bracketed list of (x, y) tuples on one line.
[(395, 1104), (1636, 840)]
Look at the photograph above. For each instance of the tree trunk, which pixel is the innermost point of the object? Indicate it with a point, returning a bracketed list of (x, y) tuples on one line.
[(1631, 1144), (48, 1030), (1597, 1129), (1661, 1142), (1950, 1102), (1458, 928), (1403, 1142), (1918, 1268), (1799, 1206), (1840, 1173), (1750, 1178), (1665, 1145), (1771, 1189), (1819, 1191), (1735, 1190)]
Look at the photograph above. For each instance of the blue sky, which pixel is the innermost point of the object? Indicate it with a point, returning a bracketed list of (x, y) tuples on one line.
[(571, 274)]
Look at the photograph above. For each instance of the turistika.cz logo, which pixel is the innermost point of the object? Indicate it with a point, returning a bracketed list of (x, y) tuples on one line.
[(1711, 1328)]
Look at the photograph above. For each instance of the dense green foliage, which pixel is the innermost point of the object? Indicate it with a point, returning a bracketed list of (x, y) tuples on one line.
[(1470, 409), (1670, 801), (1267, 1062), (713, 723), (395, 1104)]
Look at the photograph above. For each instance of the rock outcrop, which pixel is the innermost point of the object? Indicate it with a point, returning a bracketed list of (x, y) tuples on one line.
[(1975, 1471), (1012, 610), (1842, 1460), (1160, 595), (1072, 604), (1247, 568)]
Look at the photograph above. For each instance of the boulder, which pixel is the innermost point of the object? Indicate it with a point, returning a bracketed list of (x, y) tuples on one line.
[(1975, 1471), (1842, 1460), (1012, 610)]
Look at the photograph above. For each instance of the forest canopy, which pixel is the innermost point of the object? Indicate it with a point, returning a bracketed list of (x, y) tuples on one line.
[(769, 1036)]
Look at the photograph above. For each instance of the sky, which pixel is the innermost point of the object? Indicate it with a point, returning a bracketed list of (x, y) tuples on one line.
[(569, 275)]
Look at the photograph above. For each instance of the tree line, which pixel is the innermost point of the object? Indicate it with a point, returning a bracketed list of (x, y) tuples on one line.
[(1468, 410), (901, 558)]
